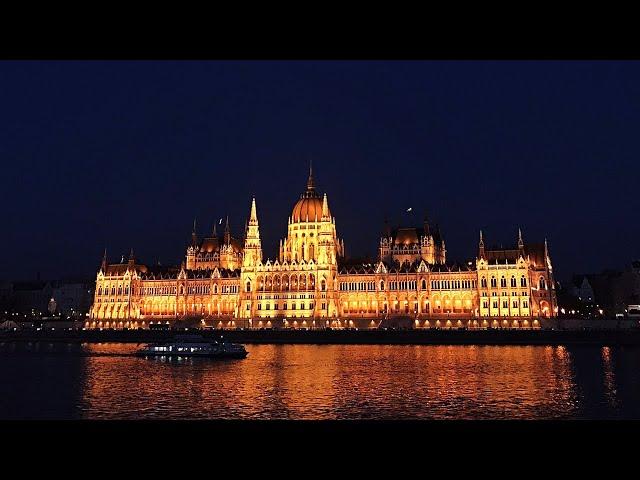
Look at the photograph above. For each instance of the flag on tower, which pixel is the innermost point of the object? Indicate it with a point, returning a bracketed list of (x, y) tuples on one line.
[(409, 209)]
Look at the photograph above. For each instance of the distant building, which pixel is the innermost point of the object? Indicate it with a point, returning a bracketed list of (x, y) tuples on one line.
[(582, 289), (70, 298), (32, 296), (73, 298), (626, 288), (6, 296), (611, 290)]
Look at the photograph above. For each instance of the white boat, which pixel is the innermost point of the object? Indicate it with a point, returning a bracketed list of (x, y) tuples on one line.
[(194, 346)]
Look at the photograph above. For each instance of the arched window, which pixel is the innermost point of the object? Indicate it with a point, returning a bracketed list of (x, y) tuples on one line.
[(503, 282), (483, 282), (100, 291), (424, 284), (323, 285), (513, 282), (181, 289), (215, 289), (312, 251), (248, 286), (381, 284), (523, 281), (543, 284), (494, 283)]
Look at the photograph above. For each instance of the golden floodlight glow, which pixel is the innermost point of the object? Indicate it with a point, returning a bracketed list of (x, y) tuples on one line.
[(225, 279)]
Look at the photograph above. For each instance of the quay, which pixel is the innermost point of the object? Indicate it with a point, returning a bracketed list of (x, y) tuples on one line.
[(604, 337)]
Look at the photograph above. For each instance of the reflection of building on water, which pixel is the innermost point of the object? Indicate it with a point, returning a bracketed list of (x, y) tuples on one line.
[(335, 382), (225, 282)]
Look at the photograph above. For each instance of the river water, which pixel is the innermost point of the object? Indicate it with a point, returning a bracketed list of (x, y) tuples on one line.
[(100, 381)]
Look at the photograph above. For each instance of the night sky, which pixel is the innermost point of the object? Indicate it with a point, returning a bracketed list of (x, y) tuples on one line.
[(126, 154)]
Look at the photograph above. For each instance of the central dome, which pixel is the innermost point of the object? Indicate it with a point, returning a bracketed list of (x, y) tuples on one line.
[(309, 207)]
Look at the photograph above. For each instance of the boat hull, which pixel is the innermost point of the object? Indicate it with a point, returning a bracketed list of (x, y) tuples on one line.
[(220, 355)]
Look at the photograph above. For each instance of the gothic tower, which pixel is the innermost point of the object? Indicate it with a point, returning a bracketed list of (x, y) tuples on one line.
[(252, 245)]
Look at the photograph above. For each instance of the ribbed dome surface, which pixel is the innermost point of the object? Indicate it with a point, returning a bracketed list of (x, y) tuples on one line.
[(307, 208)]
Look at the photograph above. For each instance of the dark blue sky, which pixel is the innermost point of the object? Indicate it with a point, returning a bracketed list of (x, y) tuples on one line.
[(125, 154)]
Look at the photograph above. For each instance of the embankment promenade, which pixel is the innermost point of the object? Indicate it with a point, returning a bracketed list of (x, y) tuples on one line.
[(605, 337)]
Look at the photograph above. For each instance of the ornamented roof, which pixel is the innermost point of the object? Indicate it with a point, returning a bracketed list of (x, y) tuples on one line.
[(412, 235), (309, 207), (535, 251)]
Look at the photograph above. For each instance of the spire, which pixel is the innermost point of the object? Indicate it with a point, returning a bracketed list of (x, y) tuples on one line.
[(215, 232), (132, 259), (520, 242), (194, 237), (325, 208), (103, 266), (386, 231), (426, 225), (227, 232), (481, 246), (438, 235), (253, 217), (310, 183), (252, 245)]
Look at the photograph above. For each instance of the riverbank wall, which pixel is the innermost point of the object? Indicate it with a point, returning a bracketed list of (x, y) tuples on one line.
[(629, 337)]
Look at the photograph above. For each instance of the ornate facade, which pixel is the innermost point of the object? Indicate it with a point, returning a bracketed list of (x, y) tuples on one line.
[(227, 283)]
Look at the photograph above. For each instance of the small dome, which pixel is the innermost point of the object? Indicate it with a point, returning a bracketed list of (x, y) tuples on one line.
[(406, 236)]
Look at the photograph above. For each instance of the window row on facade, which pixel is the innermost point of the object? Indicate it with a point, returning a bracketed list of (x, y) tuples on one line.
[(284, 306)]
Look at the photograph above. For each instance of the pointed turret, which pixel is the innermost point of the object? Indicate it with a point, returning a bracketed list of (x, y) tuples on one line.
[(103, 265), (310, 183), (325, 208), (194, 237), (253, 217), (132, 259), (227, 232), (438, 235), (252, 245), (481, 246), (386, 229), (425, 224), (215, 231), (520, 242)]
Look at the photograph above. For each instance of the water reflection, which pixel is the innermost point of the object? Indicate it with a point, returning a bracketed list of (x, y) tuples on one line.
[(323, 382)]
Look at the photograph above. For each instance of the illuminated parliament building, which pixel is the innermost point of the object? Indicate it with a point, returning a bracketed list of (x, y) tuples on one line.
[(225, 281)]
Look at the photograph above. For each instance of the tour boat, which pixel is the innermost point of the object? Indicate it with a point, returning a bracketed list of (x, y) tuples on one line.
[(194, 346)]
